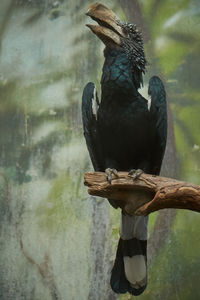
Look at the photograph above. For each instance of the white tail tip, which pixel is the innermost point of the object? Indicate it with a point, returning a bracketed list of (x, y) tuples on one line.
[(136, 270)]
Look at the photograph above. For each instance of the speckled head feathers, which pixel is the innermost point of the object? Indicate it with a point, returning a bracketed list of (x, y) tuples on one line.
[(133, 45)]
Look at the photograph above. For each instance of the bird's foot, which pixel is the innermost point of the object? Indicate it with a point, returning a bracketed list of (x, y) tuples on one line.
[(135, 174), (109, 173)]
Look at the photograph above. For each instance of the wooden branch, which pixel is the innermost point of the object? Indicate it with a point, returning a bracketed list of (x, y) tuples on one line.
[(145, 195)]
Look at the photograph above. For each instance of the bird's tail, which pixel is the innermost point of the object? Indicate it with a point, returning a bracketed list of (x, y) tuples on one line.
[(129, 273)]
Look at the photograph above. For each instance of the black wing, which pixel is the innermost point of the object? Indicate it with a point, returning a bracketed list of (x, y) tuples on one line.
[(90, 106), (159, 109)]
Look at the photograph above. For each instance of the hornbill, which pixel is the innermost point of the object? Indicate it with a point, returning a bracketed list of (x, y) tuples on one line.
[(125, 132)]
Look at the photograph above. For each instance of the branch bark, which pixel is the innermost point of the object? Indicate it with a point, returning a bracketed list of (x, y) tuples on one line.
[(145, 195)]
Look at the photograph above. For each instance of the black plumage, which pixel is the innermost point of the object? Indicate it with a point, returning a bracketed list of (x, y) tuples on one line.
[(124, 132)]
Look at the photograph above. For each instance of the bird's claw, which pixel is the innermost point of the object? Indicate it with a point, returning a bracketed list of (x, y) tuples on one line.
[(109, 173), (135, 174)]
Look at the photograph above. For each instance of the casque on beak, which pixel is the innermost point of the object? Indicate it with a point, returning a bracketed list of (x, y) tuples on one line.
[(108, 30)]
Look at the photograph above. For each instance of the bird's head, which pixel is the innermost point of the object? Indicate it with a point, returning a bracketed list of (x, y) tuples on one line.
[(117, 34)]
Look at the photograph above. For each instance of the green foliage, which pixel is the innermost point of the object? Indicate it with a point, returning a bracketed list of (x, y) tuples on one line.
[(174, 30), (172, 56), (60, 209)]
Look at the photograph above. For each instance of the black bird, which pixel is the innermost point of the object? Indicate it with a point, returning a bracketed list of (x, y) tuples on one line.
[(125, 132)]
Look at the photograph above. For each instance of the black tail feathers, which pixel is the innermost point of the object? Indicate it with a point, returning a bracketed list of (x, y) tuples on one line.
[(119, 282)]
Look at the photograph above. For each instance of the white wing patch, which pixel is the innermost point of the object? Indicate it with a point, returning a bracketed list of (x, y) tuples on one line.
[(95, 105), (149, 103), (144, 92)]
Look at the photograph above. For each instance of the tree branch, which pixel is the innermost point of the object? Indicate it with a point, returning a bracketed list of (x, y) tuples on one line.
[(145, 195)]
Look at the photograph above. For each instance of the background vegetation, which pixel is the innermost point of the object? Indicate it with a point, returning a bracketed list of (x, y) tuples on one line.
[(56, 242)]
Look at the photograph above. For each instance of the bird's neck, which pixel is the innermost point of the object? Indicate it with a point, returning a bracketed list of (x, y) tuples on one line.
[(118, 82)]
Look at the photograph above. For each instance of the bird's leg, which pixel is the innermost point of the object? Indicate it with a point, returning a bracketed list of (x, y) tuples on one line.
[(135, 173), (109, 173)]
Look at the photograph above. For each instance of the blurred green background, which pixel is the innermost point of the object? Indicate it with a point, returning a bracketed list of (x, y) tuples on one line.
[(56, 242)]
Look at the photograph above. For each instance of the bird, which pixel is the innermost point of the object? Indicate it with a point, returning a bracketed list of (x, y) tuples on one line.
[(125, 132)]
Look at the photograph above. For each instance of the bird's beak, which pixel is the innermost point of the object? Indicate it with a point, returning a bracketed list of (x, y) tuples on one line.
[(108, 29)]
